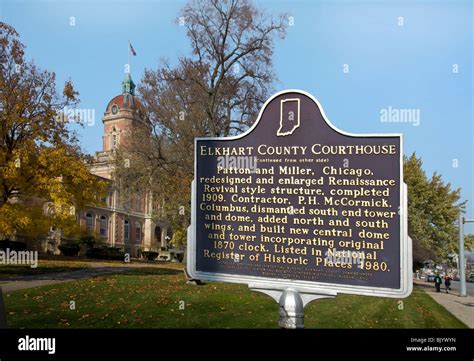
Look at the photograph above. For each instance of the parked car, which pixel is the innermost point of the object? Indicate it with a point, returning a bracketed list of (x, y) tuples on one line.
[(470, 278), (430, 278)]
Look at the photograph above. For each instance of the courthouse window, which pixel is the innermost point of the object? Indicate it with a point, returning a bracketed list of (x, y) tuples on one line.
[(89, 221), (138, 231), (126, 230), (103, 226)]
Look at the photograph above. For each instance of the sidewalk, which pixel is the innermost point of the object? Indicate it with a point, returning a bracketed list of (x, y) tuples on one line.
[(46, 279), (461, 307)]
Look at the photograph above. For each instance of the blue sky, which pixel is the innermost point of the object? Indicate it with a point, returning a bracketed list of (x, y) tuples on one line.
[(400, 54)]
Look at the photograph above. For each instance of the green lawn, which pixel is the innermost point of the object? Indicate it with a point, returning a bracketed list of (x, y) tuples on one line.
[(55, 264), (44, 266), (151, 298)]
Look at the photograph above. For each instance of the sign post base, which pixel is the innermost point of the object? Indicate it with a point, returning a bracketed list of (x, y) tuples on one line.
[(291, 301)]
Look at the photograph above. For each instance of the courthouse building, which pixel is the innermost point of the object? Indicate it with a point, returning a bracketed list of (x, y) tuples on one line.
[(127, 221)]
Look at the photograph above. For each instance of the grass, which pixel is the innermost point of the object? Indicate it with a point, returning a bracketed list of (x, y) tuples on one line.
[(54, 264), (44, 266), (151, 298)]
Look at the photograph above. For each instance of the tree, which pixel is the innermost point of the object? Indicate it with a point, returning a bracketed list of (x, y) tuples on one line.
[(433, 209), (232, 44), (40, 159), (179, 238), (216, 91), (469, 242)]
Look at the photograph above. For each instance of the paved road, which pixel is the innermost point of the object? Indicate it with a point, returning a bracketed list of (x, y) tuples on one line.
[(455, 287), (469, 287), (45, 279)]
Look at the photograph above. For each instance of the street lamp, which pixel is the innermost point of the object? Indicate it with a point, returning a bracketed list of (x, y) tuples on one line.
[(462, 261)]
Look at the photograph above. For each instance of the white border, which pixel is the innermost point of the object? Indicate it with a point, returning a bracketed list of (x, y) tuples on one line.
[(284, 134), (406, 275)]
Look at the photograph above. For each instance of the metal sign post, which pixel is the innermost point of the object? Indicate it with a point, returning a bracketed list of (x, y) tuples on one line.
[(291, 302)]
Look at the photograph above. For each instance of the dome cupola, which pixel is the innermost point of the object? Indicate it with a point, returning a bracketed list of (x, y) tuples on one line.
[(123, 113), (126, 100)]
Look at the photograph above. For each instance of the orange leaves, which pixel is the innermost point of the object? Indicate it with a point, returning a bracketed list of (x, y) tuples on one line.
[(40, 158), (69, 91), (12, 217)]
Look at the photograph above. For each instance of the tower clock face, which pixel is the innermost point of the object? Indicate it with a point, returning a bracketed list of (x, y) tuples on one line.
[(114, 109)]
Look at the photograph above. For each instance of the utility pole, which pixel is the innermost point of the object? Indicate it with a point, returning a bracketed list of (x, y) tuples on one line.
[(462, 263), (462, 266)]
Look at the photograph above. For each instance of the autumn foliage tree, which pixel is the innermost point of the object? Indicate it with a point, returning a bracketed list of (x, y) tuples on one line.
[(433, 208), (217, 90), (40, 159), (469, 241)]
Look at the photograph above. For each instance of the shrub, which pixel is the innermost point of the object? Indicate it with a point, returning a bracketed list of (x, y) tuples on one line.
[(70, 250), (88, 240), (179, 239), (180, 257), (12, 245), (104, 252), (150, 255)]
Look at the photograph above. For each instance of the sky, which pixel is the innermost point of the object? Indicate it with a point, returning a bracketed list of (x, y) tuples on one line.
[(360, 59)]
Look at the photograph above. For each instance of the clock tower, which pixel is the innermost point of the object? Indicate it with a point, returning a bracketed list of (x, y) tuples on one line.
[(125, 220), (122, 114)]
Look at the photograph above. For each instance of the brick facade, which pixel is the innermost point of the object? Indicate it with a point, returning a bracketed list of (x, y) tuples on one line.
[(126, 220)]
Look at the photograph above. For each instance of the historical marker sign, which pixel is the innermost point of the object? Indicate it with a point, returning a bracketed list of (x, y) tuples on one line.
[(295, 201)]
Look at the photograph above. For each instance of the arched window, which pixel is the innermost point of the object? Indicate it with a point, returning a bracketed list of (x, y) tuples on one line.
[(90, 221), (126, 230), (138, 231), (103, 226)]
